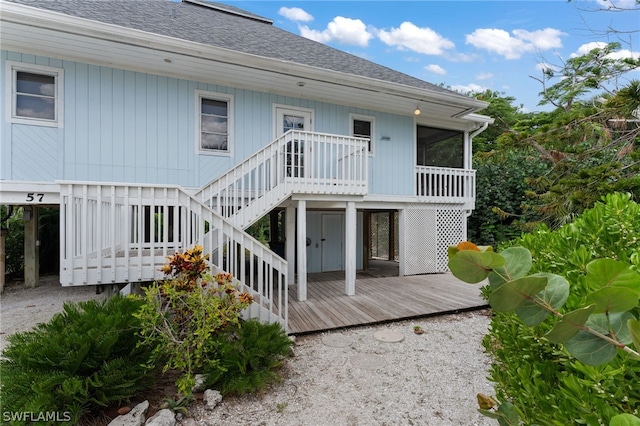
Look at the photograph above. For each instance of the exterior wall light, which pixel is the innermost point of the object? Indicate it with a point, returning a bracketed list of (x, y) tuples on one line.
[(416, 111)]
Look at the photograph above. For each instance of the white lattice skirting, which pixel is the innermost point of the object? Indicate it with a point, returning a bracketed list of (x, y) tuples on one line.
[(427, 232)]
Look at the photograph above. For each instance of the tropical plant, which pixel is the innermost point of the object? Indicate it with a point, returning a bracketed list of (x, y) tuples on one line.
[(250, 354), (184, 313), (86, 358), (561, 337)]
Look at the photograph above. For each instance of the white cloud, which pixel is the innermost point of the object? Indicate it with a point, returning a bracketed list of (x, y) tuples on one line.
[(422, 40), (624, 53), (484, 76), (295, 14), (469, 88), (619, 4), (588, 47), (619, 54), (342, 30), (541, 66), (513, 46), (436, 69)]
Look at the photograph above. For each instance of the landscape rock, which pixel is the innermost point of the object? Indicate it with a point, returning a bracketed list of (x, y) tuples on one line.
[(211, 399), (189, 421), (134, 417), (164, 417), (199, 386)]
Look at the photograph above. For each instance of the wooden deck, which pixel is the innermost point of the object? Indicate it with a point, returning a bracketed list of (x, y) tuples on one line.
[(378, 299)]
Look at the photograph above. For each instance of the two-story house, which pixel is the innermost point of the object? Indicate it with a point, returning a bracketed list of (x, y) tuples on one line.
[(156, 125)]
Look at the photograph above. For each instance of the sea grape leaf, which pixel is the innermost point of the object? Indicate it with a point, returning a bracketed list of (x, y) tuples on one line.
[(633, 325), (593, 350), (570, 324), (474, 266), (613, 299), (555, 295), (517, 263), (513, 294), (624, 419), (612, 273)]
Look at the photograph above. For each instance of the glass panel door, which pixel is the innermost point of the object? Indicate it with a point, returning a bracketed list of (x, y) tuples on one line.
[(297, 120)]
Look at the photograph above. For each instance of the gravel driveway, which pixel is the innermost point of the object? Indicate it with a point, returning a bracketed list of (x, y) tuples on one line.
[(370, 375)]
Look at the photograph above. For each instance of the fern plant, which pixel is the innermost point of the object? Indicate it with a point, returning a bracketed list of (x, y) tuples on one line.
[(250, 355), (87, 357)]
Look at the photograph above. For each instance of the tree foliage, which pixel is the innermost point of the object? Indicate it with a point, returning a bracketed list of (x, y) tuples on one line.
[(589, 144)]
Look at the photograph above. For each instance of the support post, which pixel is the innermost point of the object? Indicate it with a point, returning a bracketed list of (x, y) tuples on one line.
[(302, 250), (392, 235), (290, 244), (351, 235), (31, 249)]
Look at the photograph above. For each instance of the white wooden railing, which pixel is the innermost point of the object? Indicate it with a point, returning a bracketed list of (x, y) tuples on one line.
[(123, 233), (297, 162), (445, 185)]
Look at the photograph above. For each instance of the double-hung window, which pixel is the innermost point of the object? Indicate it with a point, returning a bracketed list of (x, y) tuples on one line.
[(363, 127), (214, 122), (36, 94)]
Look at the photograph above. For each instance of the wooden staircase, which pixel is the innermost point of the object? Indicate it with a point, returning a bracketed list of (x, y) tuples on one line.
[(114, 233), (297, 162)]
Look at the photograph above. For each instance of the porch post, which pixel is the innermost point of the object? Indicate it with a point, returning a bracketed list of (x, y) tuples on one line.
[(302, 250), (290, 244), (351, 235), (402, 249), (31, 249)]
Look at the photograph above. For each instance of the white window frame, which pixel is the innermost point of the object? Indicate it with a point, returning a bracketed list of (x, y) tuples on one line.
[(215, 96), (11, 90), (369, 118)]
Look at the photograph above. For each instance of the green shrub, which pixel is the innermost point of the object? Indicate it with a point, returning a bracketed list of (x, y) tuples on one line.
[(545, 383), (250, 354), (183, 315), (86, 357), (14, 243)]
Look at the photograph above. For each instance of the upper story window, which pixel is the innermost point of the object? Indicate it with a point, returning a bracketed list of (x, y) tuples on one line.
[(214, 122), (440, 147), (363, 127), (36, 94)]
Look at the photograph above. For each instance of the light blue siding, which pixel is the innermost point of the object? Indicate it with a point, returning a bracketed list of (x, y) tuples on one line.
[(125, 126)]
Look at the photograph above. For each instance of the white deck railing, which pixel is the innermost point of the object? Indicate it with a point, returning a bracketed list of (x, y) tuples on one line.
[(297, 162), (445, 185), (123, 233)]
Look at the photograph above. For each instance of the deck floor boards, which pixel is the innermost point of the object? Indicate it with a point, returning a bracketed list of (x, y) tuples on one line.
[(377, 299)]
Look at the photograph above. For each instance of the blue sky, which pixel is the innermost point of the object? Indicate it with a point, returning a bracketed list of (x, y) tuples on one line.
[(465, 45)]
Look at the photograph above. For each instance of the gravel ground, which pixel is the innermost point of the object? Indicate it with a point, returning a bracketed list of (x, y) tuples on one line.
[(346, 377)]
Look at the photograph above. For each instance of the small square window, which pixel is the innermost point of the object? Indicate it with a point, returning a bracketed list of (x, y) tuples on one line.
[(362, 127), (35, 95), (214, 123)]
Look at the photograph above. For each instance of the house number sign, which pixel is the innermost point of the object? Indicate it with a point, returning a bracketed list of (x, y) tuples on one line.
[(34, 196)]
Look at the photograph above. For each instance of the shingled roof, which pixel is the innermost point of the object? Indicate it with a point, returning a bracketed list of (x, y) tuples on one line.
[(227, 27)]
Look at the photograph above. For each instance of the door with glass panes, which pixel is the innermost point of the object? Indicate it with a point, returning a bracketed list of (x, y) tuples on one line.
[(293, 119)]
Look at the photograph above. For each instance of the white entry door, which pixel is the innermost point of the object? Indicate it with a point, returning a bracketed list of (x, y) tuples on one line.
[(332, 242), (293, 119)]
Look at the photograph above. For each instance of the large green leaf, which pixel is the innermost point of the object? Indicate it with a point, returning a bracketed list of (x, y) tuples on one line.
[(513, 294), (624, 420), (473, 266), (517, 263), (633, 325), (612, 273), (570, 324), (590, 349), (555, 295), (613, 299), (593, 350)]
